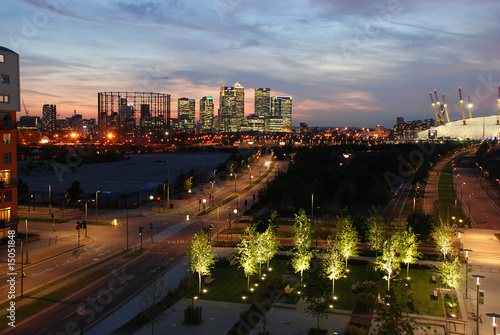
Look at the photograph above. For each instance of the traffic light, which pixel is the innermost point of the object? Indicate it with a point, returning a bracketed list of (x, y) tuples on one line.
[(158, 199), (84, 224), (140, 231), (77, 225)]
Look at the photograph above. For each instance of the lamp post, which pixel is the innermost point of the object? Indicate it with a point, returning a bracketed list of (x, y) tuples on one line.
[(312, 206), (494, 316), (236, 216), (204, 202), (50, 200), (461, 193), (466, 271), (477, 301), (26, 240), (97, 205), (459, 240), (235, 183), (470, 216)]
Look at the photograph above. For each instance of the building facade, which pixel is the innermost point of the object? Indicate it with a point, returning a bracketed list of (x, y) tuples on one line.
[(281, 107), (49, 116), (262, 102), (207, 113), (186, 113), (9, 105), (133, 114)]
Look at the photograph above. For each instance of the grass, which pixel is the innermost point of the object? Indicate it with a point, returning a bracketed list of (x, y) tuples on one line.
[(447, 196), (44, 220), (421, 287), (230, 283)]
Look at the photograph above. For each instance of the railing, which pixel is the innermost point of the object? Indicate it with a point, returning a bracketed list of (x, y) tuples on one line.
[(12, 182), (8, 125)]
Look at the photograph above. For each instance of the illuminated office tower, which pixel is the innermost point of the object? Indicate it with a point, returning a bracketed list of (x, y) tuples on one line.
[(207, 113), (282, 107), (49, 117), (227, 109), (186, 112), (262, 102), (240, 103)]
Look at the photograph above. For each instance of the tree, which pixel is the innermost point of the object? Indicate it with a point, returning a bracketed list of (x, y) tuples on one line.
[(347, 240), (408, 248), (74, 192), (333, 264), (302, 240), (259, 247), (247, 256), (443, 236), (270, 244), (451, 274), (389, 260), (23, 190), (376, 231), (316, 296), (421, 223), (201, 255), (393, 316)]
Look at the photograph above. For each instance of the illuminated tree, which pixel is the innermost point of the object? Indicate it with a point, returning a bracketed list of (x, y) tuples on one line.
[(451, 274), (247, 256), (376, 234), (302, 240), (333, 264), (444, 236), (270, 244), (408, 248), (347, 240), (389, 260), (201, 256)]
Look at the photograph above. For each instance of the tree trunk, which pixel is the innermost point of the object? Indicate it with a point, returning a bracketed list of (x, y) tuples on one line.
[(260, 270), (301, 276), (199, 282), (408, 270), (333, 287), (248, 283)]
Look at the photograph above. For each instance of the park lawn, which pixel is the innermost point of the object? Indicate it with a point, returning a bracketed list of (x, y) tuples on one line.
[(447, 196), (421, 288), (345, 297), (230, 283)]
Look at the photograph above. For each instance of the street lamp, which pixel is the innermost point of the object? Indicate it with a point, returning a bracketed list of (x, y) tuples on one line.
[(494, 316), (231, 174), (466, 271), (236, 216), (97, 205), (477, 301), (461, 193), (470, 216), (459, 242), (204, 202)]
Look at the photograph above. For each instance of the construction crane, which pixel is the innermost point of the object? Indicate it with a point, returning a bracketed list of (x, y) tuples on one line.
[(26, 109), (445, 109), (462, 109), (435, 110), (498, 105), (439, 108), (470, 107)]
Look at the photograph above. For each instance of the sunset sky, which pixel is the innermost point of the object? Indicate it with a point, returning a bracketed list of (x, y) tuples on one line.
[(345, 63)]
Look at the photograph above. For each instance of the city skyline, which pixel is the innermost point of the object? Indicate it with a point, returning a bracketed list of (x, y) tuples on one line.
[(344, 64)]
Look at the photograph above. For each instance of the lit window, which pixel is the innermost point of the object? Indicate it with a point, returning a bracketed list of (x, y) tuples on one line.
[(4, 79), (7, 196), (7, 158), (4, 98), (6, 139), (2, 59)]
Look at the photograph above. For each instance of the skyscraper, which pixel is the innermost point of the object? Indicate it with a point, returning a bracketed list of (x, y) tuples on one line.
[(227, 108), (282, 107), (186, 112), (262, 102), (9, 105), (240, 102), (49, 117), (207, 113)]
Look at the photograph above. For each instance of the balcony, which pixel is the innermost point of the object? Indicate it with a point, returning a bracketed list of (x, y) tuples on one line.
[(7, 125), (12, 182)]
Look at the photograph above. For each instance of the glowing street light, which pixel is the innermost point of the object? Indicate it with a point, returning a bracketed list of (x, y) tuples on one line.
[(477, 301), (494, 316)]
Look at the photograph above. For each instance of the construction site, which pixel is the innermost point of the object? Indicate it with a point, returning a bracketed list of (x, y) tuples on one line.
[(128, 115), (468, 127)]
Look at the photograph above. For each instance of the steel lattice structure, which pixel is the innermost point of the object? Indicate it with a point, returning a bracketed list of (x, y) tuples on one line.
[(130, 114)]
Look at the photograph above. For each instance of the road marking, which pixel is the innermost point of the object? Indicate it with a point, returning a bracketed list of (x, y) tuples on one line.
[(42, 331), (67, 316)]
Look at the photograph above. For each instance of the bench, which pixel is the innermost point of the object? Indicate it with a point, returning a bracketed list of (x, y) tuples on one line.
[(288, 289), (209, 279), (434, 279), (435, 293)]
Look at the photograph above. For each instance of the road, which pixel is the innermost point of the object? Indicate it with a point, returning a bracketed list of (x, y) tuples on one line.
[(171, 230)]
